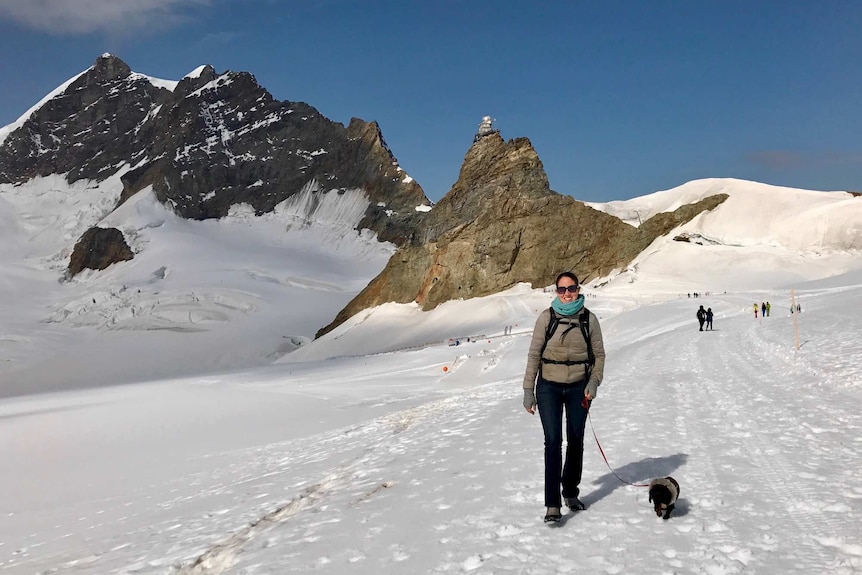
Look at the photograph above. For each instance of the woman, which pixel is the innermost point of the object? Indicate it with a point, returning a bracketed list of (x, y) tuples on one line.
[(567, 378)]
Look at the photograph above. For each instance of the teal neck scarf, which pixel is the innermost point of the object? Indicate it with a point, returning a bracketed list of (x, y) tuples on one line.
[(568, 308)]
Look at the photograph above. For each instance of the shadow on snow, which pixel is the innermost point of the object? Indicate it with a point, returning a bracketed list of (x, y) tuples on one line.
[(637, 472)]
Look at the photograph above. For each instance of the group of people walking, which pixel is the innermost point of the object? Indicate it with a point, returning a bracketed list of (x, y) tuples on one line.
[(704, 317), (764, 308)]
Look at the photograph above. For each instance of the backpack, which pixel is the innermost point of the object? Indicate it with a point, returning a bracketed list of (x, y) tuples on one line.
[(584, 323)]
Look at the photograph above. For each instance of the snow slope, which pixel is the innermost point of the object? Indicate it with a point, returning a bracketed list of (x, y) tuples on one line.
[(761, 236), (198, 296)]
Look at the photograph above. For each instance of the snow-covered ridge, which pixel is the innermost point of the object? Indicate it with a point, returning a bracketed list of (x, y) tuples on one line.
[(169, 85), (8, 129), (223, 80), (196, 72), (756, 214)]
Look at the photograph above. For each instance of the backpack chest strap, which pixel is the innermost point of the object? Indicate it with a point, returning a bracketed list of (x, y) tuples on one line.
[(566, 361)]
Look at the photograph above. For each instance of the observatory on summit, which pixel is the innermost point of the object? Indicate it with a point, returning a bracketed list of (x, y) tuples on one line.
[(486, 127)]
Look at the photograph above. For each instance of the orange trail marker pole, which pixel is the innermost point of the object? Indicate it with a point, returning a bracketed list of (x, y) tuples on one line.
[(794, 314)]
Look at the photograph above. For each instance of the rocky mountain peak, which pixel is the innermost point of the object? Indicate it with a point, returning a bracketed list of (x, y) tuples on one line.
[(512, 166), (189, 84), (215, 141), (86, 132), (368, 132), (106, 68), (494, 172), (501, 224)]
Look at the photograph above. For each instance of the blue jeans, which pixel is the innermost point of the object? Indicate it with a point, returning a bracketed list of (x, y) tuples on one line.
[(551, 398)]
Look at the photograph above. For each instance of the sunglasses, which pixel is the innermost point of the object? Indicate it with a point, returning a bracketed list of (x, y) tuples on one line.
[(571, 289)]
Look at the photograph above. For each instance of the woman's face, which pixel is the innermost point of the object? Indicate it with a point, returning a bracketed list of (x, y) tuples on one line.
[(566, 284)]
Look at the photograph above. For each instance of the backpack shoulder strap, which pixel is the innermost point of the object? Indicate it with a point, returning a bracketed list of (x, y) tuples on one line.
[(584, 320), (553, 322)]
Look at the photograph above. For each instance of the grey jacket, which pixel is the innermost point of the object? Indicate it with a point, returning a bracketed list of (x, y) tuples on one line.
[(572, 348)]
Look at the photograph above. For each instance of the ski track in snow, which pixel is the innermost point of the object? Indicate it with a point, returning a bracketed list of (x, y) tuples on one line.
[(736, 419)]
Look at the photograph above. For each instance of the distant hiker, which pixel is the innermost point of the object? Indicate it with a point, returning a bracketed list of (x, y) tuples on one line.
[(768, 308), (763, 309), (709, 319), (565, 365), (755, 310), (799, 308), (701, 317)]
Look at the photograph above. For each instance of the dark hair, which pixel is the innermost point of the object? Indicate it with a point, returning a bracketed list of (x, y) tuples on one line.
[(569, 275)]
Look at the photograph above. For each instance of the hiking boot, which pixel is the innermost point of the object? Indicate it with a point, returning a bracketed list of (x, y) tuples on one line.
[(575, 504), (553, 515)]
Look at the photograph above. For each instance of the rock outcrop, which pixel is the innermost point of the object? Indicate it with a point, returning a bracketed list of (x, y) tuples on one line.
[(97, 249), (501, 224)]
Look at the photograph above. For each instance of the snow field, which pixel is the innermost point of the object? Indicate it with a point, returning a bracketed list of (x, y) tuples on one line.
[(386, 464), (357, 453)]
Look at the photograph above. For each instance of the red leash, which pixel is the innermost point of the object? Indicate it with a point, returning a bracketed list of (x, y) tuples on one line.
[(602, 451)]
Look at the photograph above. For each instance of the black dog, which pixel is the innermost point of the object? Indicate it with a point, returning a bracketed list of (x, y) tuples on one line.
[(663, 494)]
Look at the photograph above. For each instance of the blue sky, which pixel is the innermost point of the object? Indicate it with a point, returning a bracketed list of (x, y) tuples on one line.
[(620, 99)]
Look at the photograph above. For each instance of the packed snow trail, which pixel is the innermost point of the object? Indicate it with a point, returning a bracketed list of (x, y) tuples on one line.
[(443, 472), (728, 413)]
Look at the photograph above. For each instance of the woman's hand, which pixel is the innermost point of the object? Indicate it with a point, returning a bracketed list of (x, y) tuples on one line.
[(529, 401), (591, 390)]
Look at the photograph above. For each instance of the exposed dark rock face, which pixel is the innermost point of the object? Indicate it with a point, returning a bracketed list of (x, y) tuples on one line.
[(85, 131), (501, 224), (660, 224), (214, 141), (97, 249)]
